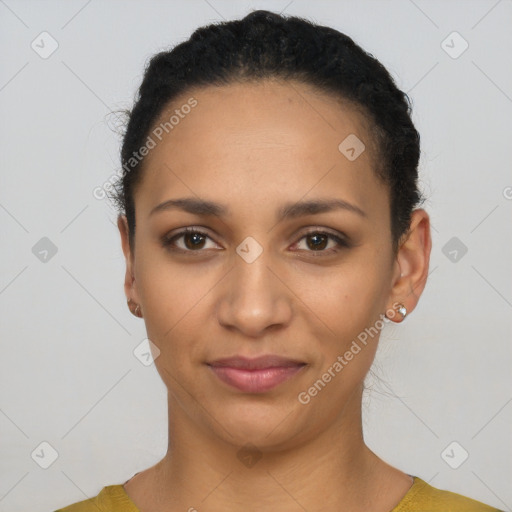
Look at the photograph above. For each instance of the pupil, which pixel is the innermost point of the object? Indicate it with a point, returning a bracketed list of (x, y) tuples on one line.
[(315, 245), (196, 237)]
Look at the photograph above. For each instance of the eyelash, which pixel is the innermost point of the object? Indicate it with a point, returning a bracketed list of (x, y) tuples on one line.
[(167, 241)]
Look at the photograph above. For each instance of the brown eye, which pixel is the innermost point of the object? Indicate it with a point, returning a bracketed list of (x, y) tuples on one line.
[(318, 241), (187, 240), (193, 240)]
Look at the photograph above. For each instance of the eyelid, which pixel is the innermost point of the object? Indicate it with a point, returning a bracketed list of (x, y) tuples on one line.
[(325, 231)]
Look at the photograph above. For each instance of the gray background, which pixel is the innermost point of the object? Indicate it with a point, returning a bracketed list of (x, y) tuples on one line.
[(68, 373)]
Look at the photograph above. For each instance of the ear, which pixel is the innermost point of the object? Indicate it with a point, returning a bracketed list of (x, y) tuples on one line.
[(412, 262), (130, 288)]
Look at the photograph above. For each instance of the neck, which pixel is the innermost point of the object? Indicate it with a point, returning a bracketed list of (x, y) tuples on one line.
[(331, 470)]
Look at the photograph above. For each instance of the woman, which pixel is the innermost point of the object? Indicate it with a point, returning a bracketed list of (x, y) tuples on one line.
[(270, 223)]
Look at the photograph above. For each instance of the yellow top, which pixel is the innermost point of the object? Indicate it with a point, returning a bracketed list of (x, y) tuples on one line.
[(421, 497)]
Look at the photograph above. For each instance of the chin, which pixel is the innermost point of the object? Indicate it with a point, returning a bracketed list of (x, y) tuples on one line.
[(268, 426)]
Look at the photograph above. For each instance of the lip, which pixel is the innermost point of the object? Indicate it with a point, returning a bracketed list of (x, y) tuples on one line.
[(255, 375)]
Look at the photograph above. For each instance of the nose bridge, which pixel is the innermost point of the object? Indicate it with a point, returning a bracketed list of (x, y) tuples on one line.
[(254, 298), (251, 271)]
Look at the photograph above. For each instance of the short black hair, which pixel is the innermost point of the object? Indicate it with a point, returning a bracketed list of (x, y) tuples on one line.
[(266, 45)]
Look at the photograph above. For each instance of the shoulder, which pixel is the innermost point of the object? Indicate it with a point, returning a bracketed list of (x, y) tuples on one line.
[(112, 498), (422, 497)]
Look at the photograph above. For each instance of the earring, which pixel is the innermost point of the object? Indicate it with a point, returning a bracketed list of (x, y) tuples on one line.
[(401, 309), (137, 311)]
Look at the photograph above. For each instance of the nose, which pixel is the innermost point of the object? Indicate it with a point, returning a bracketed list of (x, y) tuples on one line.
[(255, 299)]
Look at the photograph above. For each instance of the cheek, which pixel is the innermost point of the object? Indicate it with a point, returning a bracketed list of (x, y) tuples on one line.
[(174, 301), (347, 306), (344, 299), (343, 318)]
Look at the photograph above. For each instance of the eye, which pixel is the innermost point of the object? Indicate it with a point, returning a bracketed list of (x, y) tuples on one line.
[(193, 240), (318, 241)]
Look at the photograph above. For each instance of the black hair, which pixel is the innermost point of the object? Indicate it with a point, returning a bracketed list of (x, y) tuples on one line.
[(266, 45)]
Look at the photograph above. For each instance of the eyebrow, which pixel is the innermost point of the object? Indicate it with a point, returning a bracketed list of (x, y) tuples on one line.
[(203, 207)]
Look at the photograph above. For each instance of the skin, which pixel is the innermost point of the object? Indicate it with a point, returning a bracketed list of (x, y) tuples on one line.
[(253, 147)]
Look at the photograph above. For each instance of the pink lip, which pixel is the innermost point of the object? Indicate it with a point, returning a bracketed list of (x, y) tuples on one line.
[(255, 375)]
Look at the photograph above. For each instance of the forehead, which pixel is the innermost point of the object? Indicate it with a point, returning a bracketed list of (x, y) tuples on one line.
[(259, 142)]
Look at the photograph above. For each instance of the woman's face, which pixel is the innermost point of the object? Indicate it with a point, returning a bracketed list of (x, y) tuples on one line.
[(264, 276)]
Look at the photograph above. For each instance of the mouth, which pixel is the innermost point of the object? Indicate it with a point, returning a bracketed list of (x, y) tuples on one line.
[(256, 375)]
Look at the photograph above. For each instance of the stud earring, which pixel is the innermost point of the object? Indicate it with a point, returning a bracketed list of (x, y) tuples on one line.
[(401, 309)]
